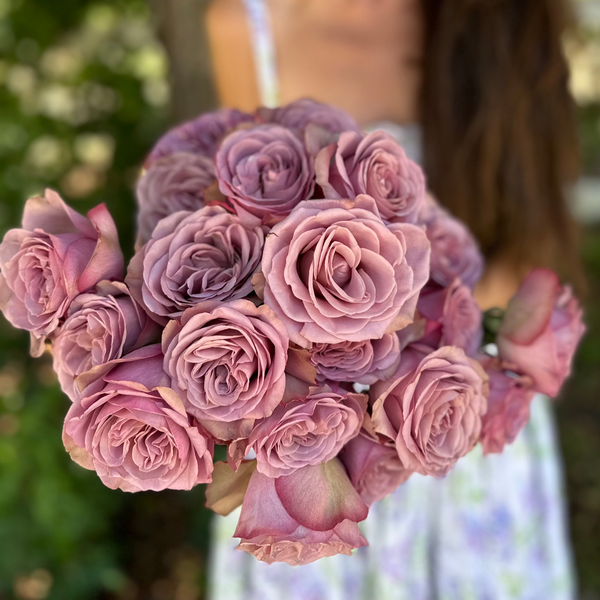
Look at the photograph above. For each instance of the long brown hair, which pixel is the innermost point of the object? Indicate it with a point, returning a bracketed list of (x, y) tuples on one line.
[(499, 126)]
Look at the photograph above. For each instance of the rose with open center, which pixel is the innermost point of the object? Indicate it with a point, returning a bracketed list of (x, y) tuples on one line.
[(195, 257), (227, 361), (334, 272), (307, 431)]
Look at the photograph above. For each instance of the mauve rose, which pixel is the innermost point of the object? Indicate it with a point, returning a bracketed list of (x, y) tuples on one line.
[(173, 183), (265, 172), (300, 114), (133, 430), (453, 318), (303, 517), (100, 326), (55, 256), (307, 431), (541, 330), (195, 257), (334, 272), (227, 362), (431, 410), (373, 164), (375, 470), (454, 251), (199, 136), (508, 407), (357, 362)]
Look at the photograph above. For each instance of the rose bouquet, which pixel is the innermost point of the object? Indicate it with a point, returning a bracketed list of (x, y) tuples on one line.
[(297, 299)]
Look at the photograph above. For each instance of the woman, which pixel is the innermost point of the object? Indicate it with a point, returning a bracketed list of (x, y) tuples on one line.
[(487, 82)]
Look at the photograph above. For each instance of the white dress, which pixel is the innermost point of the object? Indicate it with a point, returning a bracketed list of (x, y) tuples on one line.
[(493, 529)]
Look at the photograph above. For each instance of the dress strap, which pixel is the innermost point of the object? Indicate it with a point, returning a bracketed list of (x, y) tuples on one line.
[(263, 44)]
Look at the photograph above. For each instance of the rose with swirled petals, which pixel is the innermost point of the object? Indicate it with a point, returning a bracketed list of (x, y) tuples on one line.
[(101, 326), (173, 183), (131, 429), (307, 431), (57, 255), (199, 136), (334, 272), (192, 258), (264, 172), (431, 410), (227, 362), (373, 164), (357, 362)]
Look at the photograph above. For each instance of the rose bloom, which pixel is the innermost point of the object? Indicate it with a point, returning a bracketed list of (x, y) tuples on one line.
[(202, 135), (133, 430), (173, 183), (541, 330), (375, 470), (302, 517), (334, 272), (302, 113), (454, 251), (100, 326), (508, 408), (265, 172), (56, 255), (373, 164), (195, 257), (453, 318), (227, 361), (307, 431), (357, 362), (431, 410)]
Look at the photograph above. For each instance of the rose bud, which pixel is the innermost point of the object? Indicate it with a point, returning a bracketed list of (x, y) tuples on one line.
[(308, 431), (541, 331), (302, 517), (357, 362), (375, 470), (373, 164), (264, 172), (133, 430), (431, 409), (173, 183), (199, 136), (227, 361), (334, 272), (57, 255), (100, 326), (192, 258)]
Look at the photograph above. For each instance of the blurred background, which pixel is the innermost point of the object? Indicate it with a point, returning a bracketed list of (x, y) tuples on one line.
[(85, 89)]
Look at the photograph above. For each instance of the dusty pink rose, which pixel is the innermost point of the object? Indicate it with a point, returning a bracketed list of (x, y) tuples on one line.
[(334, 272), (453, 318), (454, 251), (173, 183), (199, 136), (55, 256), (195, 257), (357, 362), (133, 430), (431, 410), (227, 361), (508, 407), (307, 431), (302, 517), (302, 113), (265, 172), (373, 164), (541, 331), (100, 326), (375, 470)]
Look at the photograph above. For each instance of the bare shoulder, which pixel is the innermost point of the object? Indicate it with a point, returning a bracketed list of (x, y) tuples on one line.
[(231, 53)]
